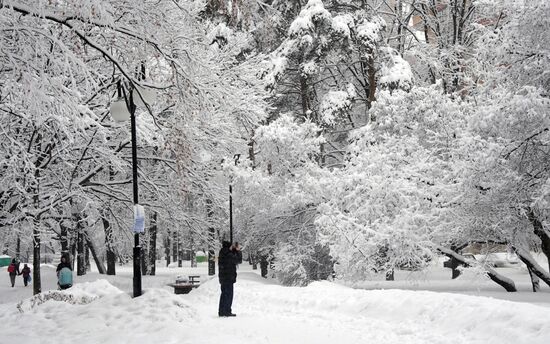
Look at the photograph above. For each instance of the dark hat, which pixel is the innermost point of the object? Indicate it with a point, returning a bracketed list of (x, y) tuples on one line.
[(226, 243)]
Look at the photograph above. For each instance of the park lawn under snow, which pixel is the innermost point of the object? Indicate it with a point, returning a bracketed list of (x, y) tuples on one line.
[(97, 311)]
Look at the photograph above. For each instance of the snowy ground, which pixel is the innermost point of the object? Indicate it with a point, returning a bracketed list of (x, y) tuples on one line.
[(100, 310)]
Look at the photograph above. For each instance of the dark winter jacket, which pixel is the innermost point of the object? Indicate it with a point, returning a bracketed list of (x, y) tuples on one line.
[(63, 265), (227, 263), (26, 271), (15, 268)]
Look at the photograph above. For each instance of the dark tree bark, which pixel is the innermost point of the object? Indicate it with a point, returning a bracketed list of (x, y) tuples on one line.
[(211, 238), (532, 265), (18, 246), (87, 257), (143, 242), (153, 244), (64, 239), (263, 266), (174, 246), (503, 281), (535, 281), (180, 251), (81, 259), (167, 247), (97, 260), (304, 94), (540, 231), (73, 252), (37, 283), (109, 252), (371, 72)]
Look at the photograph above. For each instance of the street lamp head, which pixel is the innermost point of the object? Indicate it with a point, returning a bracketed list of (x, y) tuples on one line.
[(119, 111)]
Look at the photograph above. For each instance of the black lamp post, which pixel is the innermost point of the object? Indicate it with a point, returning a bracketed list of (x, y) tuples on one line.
[(121, 110), (236, 157)]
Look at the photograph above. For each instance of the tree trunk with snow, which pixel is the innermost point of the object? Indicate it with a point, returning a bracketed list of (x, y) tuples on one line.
[(542, 233), (535, 281), (144, 242), (503, 281), (532, 265), (64, 239), (109, 252), (18, 246), (167, 247), (97, 259), (37, 283), (81, 259), (174, 246), (263, 266), (153, 244)]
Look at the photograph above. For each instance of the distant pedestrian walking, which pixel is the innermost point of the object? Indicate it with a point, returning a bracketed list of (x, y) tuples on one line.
[(13, 270), (26, 272), (228, 259), (64, 273)]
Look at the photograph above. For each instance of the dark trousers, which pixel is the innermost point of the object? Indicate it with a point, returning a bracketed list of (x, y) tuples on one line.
[(226, 299), (12, 279), (25, 280)]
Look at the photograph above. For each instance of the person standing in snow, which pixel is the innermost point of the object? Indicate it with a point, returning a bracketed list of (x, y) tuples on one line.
[(13, 270), (64, 273), (228, 259), (26, 272)]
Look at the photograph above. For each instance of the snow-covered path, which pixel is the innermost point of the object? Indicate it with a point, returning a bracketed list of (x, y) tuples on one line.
[(324, 312)]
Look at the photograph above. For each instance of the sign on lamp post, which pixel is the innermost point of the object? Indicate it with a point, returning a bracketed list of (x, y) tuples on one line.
[(122, 109)]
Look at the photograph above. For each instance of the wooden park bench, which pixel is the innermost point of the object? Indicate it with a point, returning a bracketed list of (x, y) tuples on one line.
[(185, 286)]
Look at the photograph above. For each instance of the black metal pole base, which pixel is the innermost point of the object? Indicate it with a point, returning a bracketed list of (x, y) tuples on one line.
[(137, 271)]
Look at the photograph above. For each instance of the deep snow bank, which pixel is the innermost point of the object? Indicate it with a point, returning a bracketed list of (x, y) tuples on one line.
[(323, 312)]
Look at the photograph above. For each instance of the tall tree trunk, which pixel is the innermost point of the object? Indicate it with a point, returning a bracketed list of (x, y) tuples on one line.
[(211, 239), (153, 244), (535, 281), (37, 283), (371, 70), (174, 246), (87, 257), (304, 94), (180, 251), (97, 260), (63, 239), (263, 266), (109, 252), (167, 247), (80, 247), (254, 259), (400, 27), (532, 265), (18, 246), (144, 253), (193, 250), (73, 251), (542, 233)]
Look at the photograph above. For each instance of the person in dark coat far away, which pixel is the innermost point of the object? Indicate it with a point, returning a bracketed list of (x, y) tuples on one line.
[(13, 270), (26, 272), (228, 259)]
